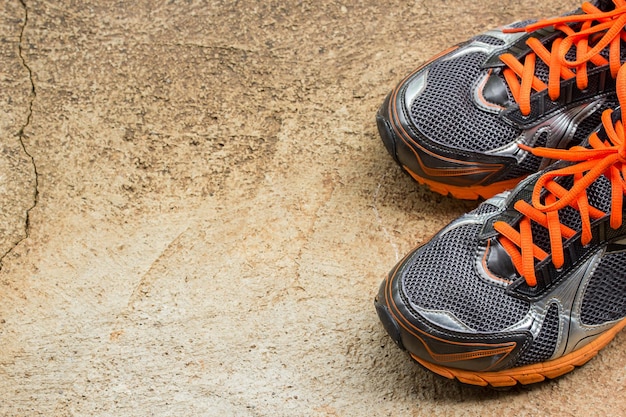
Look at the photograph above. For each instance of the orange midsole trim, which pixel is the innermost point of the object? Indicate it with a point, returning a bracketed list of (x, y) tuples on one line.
[(472, 192)]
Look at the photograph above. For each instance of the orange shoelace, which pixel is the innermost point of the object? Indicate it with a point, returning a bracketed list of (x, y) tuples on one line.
[(597, 31), (602, 157)]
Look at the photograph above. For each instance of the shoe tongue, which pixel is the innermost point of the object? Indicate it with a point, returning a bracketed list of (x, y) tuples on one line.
[(598, 195), (615, 116), (604, 5)]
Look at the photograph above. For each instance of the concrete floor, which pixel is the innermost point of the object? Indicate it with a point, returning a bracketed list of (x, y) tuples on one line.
[(196, 211)]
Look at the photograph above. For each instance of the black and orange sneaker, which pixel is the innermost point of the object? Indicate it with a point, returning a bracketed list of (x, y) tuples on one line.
[(456, 122), (530, 284)]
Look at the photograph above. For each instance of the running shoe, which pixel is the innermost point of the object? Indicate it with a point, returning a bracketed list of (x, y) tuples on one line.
[(530, 284), (456, 122)]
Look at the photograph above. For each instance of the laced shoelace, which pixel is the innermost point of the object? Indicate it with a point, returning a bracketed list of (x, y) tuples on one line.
[(602, 157), (597, 30)]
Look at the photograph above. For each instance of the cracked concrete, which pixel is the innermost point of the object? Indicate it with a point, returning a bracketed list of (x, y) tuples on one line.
[(18, 187), (197, 211), (32, 95)]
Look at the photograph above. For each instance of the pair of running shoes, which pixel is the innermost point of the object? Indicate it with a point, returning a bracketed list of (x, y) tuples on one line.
[(532, 283)]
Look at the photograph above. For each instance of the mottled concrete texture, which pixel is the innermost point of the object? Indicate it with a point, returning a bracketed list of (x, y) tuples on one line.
[(196, 211)]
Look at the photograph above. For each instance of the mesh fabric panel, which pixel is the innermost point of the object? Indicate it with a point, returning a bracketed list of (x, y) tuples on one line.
[(605, 296), (484, 208), (530, 164), (599, 194), (543, 346), (445, 111), (442, 276), (489, 40), (591, 123)]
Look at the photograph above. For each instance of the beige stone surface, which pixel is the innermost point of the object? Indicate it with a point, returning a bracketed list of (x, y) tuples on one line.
[(196, 211)]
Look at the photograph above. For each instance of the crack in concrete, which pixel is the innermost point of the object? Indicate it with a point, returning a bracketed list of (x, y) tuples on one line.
[(20, 135)]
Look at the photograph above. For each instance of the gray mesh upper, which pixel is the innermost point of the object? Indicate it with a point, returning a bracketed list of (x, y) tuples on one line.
[(544, 344), (484, 208), (443, 277), (489, 40), (445, 111), (605, 296)]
